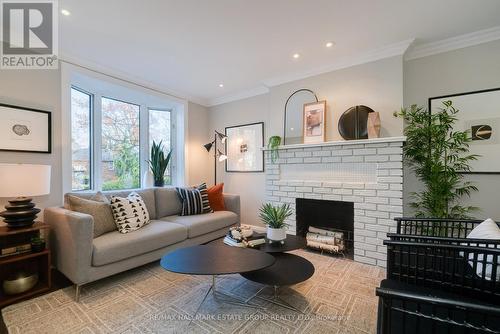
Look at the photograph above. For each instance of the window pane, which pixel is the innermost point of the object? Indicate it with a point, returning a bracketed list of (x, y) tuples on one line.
[(159, 130), (81, 104), (120, 167)]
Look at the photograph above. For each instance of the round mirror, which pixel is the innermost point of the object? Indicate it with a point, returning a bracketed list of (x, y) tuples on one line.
[(294, 110)]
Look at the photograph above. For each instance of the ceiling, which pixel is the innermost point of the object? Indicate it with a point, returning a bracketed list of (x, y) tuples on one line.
[(189, 47)]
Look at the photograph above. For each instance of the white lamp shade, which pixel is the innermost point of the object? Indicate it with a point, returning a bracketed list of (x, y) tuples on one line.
[(18, 180)]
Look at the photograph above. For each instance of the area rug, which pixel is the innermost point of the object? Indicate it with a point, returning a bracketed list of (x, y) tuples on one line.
[(339, 298)]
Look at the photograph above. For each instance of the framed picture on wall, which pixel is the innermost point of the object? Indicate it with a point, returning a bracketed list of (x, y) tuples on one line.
[(314, 122), (25, 129), (244, 148), (479, 113)]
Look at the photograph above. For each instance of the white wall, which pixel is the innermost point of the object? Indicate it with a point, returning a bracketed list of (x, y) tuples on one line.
[(39, 89), (378, 85), (463, 70), (197, 137)]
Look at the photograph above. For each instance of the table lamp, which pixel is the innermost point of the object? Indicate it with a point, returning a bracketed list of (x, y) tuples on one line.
[(22, 181)]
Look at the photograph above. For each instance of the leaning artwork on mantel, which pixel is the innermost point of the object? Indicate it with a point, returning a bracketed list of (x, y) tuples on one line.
[(484, 129), (314, 122), (24, 129), (244, 148)]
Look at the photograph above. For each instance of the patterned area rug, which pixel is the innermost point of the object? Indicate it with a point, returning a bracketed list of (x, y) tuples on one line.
[(339, 298)]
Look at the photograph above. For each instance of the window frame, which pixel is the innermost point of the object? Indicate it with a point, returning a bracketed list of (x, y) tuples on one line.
[(141, 170), (91, 136), (171, 140), (96, 180)]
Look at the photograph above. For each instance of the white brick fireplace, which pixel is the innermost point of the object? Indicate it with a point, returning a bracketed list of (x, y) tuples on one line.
[(368, 173)]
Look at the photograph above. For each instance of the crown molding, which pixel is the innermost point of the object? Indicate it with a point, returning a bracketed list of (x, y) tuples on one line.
[(453, 43), (130, 78), (259, 90), (392, 50)]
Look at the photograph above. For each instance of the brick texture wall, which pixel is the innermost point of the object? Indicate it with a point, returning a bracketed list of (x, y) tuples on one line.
[(376, 201)]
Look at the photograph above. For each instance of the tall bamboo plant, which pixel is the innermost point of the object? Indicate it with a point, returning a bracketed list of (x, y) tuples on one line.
[(158, 163), (438, 154)]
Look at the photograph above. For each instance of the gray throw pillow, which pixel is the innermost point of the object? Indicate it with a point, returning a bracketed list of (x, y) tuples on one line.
[(99, 208)]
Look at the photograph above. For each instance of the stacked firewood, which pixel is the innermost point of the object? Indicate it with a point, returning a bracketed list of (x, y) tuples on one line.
[(325, 240)]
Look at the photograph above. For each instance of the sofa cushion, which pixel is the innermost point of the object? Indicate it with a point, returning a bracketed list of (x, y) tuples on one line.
[(204, 223), (148, 195), (130, 213), (115, 246), (168, 202), (98, 207)]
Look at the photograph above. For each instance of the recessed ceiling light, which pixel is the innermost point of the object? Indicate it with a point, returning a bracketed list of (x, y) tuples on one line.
[(329, 44), (221, 85), (65, 12), (296, 56)]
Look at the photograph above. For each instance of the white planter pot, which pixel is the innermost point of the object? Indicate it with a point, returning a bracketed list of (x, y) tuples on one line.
[(276, 234)]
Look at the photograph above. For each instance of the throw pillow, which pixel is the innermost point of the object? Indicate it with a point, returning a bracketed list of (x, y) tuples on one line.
[(216, 198), (486, 230), (130, 213), (98, 207), (194, 200)]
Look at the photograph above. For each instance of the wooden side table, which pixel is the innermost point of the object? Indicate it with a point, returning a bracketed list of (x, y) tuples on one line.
[(29, 261)]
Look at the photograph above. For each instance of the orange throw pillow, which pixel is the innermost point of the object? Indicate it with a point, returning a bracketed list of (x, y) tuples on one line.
[(215, 197)]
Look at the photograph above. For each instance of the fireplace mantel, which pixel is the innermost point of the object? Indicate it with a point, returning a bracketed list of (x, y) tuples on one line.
[(343, 142), (368, 173)]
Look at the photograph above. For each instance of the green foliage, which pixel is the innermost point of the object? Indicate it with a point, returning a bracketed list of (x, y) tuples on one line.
[(437, 154), (273, 144), (275, 216), (158, 162)]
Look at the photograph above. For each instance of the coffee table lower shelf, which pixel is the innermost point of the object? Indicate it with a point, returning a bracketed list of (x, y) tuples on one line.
[(289, 269)]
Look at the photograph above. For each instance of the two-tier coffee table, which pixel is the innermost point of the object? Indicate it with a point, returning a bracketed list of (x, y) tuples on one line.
[(215, 260), (289, 269)]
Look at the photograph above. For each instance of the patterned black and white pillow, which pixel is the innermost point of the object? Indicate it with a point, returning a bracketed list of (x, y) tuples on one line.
[(130, 213), (194, 200)]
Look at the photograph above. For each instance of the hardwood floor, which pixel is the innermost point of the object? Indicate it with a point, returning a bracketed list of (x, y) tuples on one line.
[(59, 281)]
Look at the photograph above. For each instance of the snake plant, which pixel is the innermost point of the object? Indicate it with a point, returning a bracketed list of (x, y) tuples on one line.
[(158, 163)]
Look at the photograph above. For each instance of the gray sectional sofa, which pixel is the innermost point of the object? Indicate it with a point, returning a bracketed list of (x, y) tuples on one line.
[(84, 259)]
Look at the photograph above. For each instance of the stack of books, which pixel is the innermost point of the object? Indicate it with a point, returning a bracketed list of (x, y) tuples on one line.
[(19, 249), (236, 239)]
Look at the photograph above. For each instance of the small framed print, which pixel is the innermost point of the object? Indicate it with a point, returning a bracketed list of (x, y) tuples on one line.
[(244, 148), (25, 129), (314, 122)]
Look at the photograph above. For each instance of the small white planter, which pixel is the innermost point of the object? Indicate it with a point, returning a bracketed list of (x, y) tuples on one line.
[(276, 234)]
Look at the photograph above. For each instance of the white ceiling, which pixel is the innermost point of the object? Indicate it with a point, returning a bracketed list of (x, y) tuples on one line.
[(188, 47)]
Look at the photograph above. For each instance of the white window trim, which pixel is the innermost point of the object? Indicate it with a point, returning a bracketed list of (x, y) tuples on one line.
[(101, 85)]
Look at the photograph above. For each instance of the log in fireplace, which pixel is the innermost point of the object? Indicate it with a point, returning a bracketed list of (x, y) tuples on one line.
[(327, 225)]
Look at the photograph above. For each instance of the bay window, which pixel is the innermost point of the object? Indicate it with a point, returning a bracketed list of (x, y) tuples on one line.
[(111, 140)]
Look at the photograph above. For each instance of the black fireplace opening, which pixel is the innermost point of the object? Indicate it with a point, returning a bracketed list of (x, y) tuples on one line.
[(327, 225)]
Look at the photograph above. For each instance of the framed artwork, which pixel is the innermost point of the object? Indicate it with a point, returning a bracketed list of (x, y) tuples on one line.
[(25, 129), (244, 148), (479, 113), (314, 122)]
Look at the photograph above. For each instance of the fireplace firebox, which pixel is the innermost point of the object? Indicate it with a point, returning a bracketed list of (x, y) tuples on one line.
[(327, 225)]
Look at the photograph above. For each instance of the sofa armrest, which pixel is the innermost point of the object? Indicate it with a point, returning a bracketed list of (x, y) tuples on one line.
[(232, 203), (71, 239)]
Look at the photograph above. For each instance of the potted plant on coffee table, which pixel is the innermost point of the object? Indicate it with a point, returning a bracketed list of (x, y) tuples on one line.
[(274, 218)]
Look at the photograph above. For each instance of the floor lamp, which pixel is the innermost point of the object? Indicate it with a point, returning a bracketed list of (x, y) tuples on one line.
[(217, 153)]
